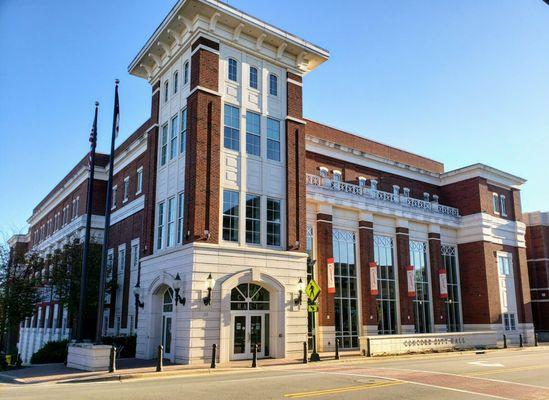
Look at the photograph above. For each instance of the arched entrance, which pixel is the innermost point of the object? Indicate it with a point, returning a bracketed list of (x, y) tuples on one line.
[(250, 321)]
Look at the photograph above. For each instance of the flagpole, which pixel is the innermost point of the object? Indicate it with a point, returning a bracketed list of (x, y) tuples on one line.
[(84, 273), (101, 298)]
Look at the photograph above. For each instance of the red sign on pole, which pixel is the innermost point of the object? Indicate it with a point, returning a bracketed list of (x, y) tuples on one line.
[(443, 281), (411, 278), (331, 275), (373, 279)]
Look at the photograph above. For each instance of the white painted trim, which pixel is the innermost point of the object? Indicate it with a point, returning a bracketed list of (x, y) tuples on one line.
[(299, 121), (485, 227), (203, 89), (536, 218), (537, 259), (290, 80), (493, 175), (128, 210), (138, 147), (204, 47)]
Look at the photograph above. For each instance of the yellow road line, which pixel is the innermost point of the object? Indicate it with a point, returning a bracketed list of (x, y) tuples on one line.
[(343, 389), (502, 370)]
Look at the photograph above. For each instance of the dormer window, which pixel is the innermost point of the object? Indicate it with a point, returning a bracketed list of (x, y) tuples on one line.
[(232, 70), (495, 202), (175, 81), (273, 85), (503, 205), (323, 172), (361, 181), (337, 175)]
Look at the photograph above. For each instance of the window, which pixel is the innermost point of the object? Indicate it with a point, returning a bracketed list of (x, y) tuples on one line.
[(135, 255), (175, 81), (233, 69), (249, 296), (164, 145), (503, 205), (273, 222), (173, 137), (180, 210), (273, 85), (453, 308), (273, 139), (509, 321), (139, 180), (253, 77), (337, 175), (171, 222), (126, 189), (253, 134), (121, 266), (422, 301), (73, 213), (386, 282), (166, 93), (504, 265), (183, 140), (495, 198), (230, 215), (186, 73), (323, 172), (114, 196), (361, 181), (110, 266), (253, 219), (160, 229), (346, 295), (232, 128), (77, 205)]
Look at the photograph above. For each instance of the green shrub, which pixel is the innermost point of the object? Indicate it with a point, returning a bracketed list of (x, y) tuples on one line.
[(52, 352), (124, 344)]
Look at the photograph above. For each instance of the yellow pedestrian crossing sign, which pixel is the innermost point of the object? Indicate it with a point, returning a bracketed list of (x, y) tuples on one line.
[(312, 307), (312, 290)]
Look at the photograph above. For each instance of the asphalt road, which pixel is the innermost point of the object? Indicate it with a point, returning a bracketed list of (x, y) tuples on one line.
[(511, 374)]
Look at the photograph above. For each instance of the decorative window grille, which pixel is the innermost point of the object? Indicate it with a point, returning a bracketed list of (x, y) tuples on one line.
[(386, 281), (422, 301)]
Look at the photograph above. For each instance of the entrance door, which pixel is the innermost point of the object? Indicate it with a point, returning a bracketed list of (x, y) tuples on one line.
[(167, 318), (248, 330)]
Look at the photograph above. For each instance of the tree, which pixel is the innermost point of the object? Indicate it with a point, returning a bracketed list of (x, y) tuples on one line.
[(18, 292)]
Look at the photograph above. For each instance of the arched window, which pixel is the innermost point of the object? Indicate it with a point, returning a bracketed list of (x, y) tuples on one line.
[(253, 77), (337, 175), (166, 88), (233, 68), (167, 305), (273, 85), (249, 296), (175, 81), (186, 73)]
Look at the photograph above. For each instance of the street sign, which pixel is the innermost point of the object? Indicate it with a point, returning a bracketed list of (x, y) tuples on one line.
[(312, 290), (312, 308)]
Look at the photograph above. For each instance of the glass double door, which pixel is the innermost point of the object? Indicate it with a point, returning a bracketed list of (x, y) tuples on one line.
[(248, 330)]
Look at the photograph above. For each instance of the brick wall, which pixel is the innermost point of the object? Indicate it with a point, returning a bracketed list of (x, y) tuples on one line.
[(326, 302), (403, 260), (366, 246)]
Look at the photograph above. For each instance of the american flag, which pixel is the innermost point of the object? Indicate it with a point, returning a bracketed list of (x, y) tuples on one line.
[(116, 111), (93, 141)]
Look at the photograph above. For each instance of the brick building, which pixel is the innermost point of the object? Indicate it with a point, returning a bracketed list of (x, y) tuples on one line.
[(239, 190)]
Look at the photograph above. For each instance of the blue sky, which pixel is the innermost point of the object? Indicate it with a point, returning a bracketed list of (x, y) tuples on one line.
[(460, 82)]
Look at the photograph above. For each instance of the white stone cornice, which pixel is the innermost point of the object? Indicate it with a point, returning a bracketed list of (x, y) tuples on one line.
[(166, 48), (156, 59), (128, 210), (177, 37), (213, 21), (294, 119), (280, 50), (147, 69), (536, 218), (259, 41), (237, 31), (483, 227)]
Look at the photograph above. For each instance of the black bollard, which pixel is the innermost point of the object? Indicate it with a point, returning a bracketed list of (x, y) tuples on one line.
[(112, 359), (254, 355), (368, 348), (214, 346), (304, 352), (504, 341), (520, 341), (160, 356), (337, 349), (536, 339)]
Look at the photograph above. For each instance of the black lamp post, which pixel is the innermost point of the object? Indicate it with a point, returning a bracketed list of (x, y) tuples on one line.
[(210, 282), (300, 289), (177, 288), (138, 293)]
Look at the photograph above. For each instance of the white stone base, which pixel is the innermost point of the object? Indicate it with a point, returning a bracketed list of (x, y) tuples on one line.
[(89, 357), (419, 343)]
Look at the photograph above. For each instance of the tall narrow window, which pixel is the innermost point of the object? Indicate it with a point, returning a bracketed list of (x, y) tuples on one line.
[(160, 228), (114, 196), (386, 282), (175, 81), (173, 137), (186, 73), (110, 266), (503, 205), (171, 223), (121, 267), (273, 139), (253, 134), (273, 85), (77, 205), (180, 210), (346, 295), (126, 189), (164, 145), (139, 180), (453, 309), (495, 198), (253, 77), (273, 222), (422, 301), (183, 139), (253, 219), (166, 91), (230, 215), (232, 70), (232, 128)]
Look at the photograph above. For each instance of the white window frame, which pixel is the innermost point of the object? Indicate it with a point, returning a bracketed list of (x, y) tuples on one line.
[(502, 205), (175, 81), (495, 202), (161, 219), (229, 69), (170, 230), (126, 191), (183, 131), (186, 70), (256, 87), (180, 216), (139, 180), (114, 197), (166, 91), (174, 133), (164, 133), (275, 94)]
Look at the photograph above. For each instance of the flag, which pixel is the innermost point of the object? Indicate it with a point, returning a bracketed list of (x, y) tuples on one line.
[(93, 143), (116, 111)]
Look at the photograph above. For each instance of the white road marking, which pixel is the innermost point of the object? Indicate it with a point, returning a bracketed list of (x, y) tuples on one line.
[(486, 364)]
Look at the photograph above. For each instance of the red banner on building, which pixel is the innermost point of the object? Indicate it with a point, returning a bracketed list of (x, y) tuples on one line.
[(443, 280), (411, 278), (373, 279), (331, 275)]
